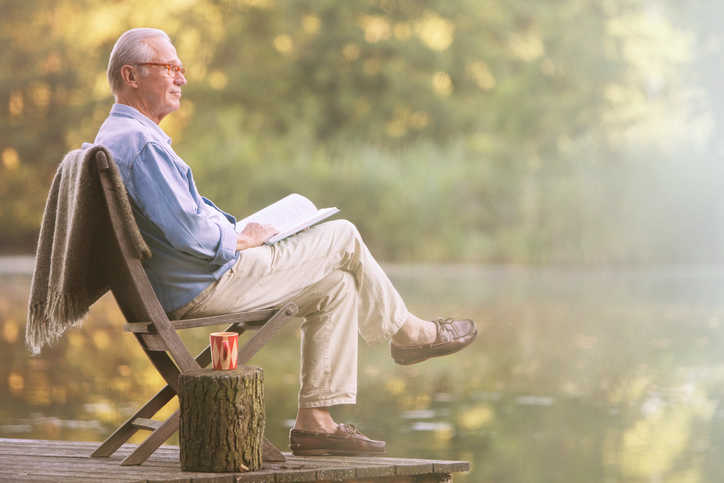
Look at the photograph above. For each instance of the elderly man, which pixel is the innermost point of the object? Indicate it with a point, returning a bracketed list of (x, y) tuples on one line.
[(201, 266)]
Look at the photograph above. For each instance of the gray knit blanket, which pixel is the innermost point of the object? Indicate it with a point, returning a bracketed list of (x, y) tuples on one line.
[(72, 261)]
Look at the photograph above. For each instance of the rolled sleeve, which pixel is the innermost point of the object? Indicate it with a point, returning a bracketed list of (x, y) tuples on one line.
[(227, 245), (162, 186), (226, 215)]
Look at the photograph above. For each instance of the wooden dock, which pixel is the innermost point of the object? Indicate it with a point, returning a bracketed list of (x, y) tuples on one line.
[(40, 460)]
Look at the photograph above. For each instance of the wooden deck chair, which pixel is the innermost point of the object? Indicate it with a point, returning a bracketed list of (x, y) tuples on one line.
[(157, 335)]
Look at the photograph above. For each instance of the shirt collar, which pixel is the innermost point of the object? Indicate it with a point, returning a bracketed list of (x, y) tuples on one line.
[(123, 110)]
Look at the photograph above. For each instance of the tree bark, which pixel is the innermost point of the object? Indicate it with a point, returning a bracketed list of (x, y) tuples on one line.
[(222, 419)]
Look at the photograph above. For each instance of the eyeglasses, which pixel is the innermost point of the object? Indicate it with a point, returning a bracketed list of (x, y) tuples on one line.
[(172, 69)]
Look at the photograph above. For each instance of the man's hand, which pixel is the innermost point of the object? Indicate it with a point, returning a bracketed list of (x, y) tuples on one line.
[(253, 235)]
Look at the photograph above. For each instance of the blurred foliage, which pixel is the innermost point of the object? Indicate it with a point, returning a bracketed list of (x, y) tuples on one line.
[(465, 131)]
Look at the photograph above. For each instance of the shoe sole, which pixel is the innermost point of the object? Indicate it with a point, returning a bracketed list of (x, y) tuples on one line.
[(327, 452)]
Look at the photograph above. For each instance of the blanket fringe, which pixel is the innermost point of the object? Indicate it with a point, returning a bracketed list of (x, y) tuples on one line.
[(42, 329)]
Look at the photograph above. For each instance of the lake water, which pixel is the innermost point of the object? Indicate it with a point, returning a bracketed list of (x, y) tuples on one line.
[(577, 375)]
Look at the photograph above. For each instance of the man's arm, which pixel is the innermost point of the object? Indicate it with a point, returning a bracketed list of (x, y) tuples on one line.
[(165, 193)]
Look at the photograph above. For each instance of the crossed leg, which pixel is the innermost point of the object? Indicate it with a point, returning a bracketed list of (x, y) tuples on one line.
[(341, 290)]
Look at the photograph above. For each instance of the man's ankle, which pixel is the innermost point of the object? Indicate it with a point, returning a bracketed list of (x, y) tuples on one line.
[(317, 420), (415, 331)]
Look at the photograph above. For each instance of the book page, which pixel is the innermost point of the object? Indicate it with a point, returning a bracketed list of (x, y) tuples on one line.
[(289, 215), (318, 216), (282, 214)]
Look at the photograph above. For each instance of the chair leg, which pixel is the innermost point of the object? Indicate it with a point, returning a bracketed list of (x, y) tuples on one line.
[(270, 453), (124, 432), (169, 372), (170, 426), (266, 332), (154, 440), (127, 429)]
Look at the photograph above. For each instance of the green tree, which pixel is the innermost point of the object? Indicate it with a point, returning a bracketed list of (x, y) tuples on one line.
[(443, 129)]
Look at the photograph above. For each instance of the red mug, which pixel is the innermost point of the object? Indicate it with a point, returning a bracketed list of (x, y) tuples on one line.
[(224, 350)]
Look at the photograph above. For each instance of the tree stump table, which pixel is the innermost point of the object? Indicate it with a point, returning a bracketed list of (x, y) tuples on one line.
[(221, 419)]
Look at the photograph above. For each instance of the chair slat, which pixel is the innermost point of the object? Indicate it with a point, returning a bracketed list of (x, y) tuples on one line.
[(139, 327), (246, 319), (146, 423), (235, 318)]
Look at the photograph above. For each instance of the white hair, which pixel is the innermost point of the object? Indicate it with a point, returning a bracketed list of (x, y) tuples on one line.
[(130, 48)]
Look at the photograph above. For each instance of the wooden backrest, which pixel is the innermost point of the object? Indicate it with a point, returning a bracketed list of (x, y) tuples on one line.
[(129, 283)]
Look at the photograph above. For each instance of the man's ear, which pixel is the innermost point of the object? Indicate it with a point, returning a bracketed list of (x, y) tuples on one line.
[(129, 75)]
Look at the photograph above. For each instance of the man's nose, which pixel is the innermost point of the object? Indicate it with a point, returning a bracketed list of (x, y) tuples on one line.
[(180, 79)]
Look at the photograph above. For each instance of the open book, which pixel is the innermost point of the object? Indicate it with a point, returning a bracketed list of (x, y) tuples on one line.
[(290, 215)]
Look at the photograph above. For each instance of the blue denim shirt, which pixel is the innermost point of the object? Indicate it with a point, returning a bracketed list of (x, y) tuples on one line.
[(192, 241)]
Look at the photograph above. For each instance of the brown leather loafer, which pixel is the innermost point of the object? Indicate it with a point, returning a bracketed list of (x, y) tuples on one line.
[(452, 335), (346, 441)]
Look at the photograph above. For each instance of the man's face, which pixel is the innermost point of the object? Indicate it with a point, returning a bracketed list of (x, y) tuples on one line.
[(160, 92)]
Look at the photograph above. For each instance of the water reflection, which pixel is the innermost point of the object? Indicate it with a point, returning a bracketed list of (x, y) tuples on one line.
[(577, 375)]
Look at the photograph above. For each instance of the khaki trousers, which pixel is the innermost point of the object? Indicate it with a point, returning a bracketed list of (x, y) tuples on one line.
[(340, 289)]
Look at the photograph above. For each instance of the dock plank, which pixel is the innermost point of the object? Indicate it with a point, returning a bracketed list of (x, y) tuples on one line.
[(365, 467), (44, 460)]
